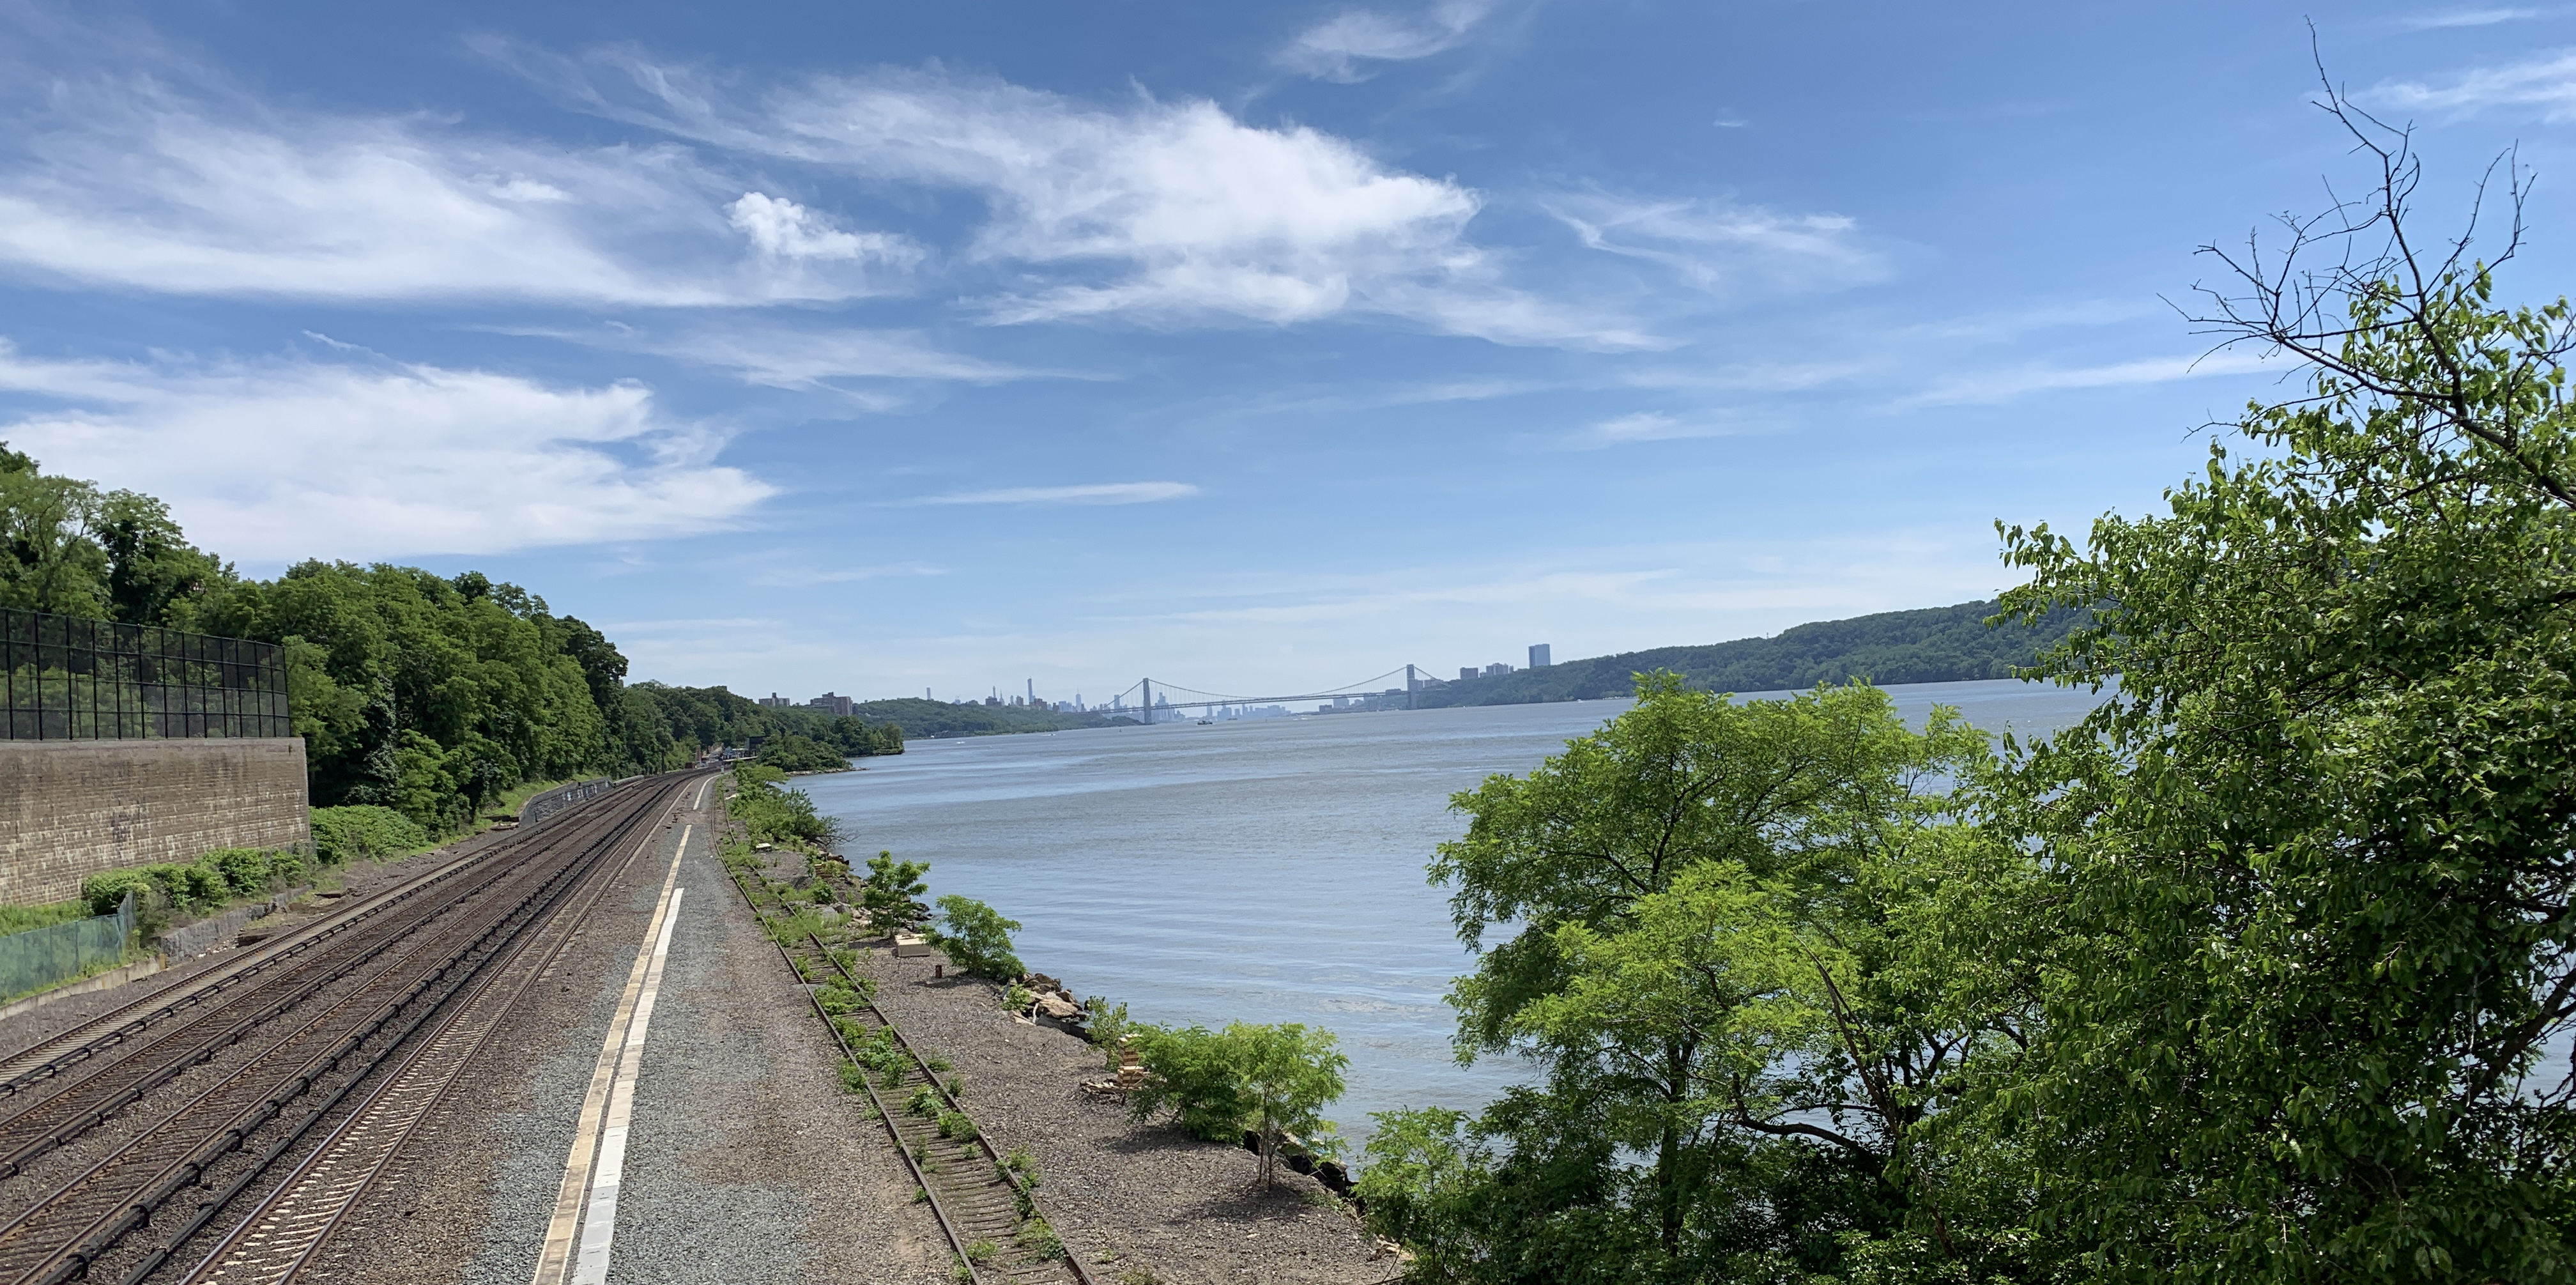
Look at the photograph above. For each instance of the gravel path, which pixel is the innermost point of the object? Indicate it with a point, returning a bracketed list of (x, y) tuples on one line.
[(1139, 1202), (747, 1164)]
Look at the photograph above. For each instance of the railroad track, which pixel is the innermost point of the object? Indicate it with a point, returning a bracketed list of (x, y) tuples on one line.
[(353, 1027), (986, 1207)]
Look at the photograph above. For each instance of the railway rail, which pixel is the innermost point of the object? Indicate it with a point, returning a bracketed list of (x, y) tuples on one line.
[(332, 1041), (977, 1198)]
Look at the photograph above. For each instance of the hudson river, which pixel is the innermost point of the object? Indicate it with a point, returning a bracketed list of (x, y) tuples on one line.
[(1267, 870)]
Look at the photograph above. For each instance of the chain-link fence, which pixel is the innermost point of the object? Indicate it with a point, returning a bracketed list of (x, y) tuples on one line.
[(66, 678), (43, 958), (557, 799)]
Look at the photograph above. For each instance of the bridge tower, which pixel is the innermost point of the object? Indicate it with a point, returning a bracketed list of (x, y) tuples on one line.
[(1408, 687), (1149, 702)]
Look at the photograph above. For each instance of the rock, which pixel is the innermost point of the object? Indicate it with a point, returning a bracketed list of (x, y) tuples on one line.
[(1041, 982), (1057, 1008)]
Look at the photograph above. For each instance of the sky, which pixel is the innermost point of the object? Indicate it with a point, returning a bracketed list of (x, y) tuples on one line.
[(1260, 349)]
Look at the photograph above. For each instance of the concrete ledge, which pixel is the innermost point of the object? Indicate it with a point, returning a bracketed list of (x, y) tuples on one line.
[(111, 978)]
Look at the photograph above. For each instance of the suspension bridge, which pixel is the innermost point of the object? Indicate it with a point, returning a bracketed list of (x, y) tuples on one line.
[(1152, 696)]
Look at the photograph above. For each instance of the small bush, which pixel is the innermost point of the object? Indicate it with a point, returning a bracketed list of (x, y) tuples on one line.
[(1025, 1165), (957, 1125), (346, 834), (978, 939), (888, 891), (925, 1103), (982, 1251), (854, 1077), (1107, 1022), (921, 1195)]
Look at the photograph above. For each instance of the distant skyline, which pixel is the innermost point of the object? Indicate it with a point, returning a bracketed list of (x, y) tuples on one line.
[(868, 348)]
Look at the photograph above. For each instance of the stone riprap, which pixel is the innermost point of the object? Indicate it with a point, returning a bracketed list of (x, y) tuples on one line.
[(70, 809)]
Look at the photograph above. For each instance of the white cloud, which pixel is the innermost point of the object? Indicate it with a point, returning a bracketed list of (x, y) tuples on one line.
[(2468, 18), (1158, 211), (274, 461), (1990, 387), (134, 185), (1098, 493), (1340, 47), (2546, 82), (777, 355), (1644, 426), (1717, 246)]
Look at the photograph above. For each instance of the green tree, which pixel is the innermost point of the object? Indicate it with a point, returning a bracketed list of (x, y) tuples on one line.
[(2311, 858), (978, 939), (890, 891), (1273, 1081), (1725, 958)]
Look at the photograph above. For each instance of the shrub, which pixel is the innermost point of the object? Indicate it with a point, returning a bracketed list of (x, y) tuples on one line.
[(1039, 1240), (1270, 1079), (924, 1103), (1107, 1023), (345, 834), (957, 1125), (888, 891), (210, 880), (978, 939)]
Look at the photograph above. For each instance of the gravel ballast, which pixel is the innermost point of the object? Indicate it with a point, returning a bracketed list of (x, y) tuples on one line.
[(1139, 1201)]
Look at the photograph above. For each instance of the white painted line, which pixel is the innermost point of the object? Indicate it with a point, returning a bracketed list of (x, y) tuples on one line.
[(599, 1223), (555, 1259)]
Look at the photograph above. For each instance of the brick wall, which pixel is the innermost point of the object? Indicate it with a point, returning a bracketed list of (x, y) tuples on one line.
[(69, 809)]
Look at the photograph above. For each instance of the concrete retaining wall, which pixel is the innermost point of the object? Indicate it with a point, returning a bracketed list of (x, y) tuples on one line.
[(69, 809)]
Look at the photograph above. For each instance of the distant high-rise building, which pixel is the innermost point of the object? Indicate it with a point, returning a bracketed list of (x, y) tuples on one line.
[(776, 701), (1538, 656), (838, 706), (1466, 672), (1497, 669)]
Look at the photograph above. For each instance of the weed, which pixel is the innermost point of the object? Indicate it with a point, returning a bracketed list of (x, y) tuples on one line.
[(1022, 1163), (854, 1077), (1322, 1199), (1039, 1240), (959, 1271), (956, 1086), (938, 1064), (1138, 1276), (1017, 998), (980, 1252), (957, 1125), (923, 1103), (921, 1195), (1022, 1206)]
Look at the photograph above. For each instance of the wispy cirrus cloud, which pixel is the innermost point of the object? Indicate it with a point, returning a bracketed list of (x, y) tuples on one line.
[(1096, 493), (1719, 246), (2005, 384), (287, 458), (1167, 213), (130, 182), (2442, 18), (2545, 83), (1343, 46)]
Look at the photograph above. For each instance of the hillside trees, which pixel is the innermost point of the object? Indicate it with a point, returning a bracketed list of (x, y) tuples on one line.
[(2309, 1016)]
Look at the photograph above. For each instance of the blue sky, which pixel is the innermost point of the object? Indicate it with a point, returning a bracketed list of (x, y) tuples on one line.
[(887, 347)]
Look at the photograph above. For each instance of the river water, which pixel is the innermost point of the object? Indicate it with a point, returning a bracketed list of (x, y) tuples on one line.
[(1265, 870)]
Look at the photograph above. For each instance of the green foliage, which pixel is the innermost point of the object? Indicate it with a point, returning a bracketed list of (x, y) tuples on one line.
[(1734, 955), (18, 919), (977, 938), (957, 1126), (2310, 863), (365, 831), (70, 548), (918, 717), (209, 881), (1107, 1022), (1930, 645), (773, 814), (1038, 1240), (1274, 1080), (1020, 1162), (889, 894), (793, 753), (924, 1102)]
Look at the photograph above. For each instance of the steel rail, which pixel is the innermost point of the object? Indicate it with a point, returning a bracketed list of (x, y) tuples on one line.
[(282, 1236), (106, 1201), (950, 1223), (53, 1056), (107, 1086)]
